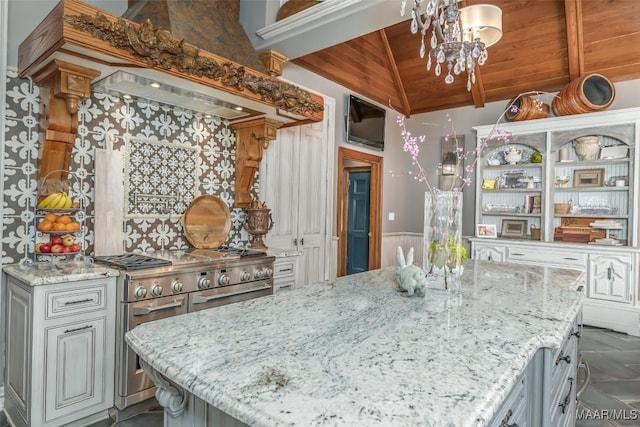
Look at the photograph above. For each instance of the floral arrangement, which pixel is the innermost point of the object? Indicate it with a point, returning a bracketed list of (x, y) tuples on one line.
[(443, 251), (412, 143)]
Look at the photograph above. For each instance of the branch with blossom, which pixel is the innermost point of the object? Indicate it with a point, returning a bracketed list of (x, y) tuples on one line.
[(412, 145)]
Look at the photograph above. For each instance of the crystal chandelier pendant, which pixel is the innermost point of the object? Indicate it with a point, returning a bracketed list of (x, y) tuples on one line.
[(403, 5), (449, 79), (431, 7), (438, 69), (429, 63), (423, 49), (414, 23), (468, 83), (440, 57)]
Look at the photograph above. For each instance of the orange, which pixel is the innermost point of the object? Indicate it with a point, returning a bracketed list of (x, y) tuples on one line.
[(51, 217), (73, 226), (45, 225), (63, 219), (59, 227)]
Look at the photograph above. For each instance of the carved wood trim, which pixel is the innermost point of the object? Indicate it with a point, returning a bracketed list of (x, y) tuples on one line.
[(273, 61), (252, 138), (62, 86), (161, 50)]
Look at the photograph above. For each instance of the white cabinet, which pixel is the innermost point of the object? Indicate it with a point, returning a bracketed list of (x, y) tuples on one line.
[(60, 351), (295, 176), (611, 278), (489, 252), (571, 210), (286, 271)]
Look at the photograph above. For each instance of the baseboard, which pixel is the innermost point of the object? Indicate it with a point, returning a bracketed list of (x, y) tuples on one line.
[(617, 317)]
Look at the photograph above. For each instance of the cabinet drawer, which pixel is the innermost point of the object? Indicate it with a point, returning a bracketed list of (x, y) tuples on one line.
[(547, 257), (284, 269), (78, 300)]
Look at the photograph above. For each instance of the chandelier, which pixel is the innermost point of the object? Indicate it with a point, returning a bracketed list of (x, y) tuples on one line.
[(459, 37)]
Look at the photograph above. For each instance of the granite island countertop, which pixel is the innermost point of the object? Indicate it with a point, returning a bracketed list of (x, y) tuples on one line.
[(45, 273), (358, 353)]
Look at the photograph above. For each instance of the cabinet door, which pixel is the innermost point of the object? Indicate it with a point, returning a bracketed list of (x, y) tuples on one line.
[(74, 367), (610, 277), (19, 345), (490, 253)]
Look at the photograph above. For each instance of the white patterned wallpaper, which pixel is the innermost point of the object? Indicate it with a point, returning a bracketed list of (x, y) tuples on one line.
[(100, 117)]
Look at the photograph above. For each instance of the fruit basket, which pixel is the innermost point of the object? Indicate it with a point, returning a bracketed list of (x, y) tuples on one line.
[(58, 220)]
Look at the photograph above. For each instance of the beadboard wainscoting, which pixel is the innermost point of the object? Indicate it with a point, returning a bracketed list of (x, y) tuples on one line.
[(391, 241)]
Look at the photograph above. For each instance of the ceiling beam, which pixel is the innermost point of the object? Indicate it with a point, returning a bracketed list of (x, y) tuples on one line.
[(477, 90), (575, 43), (402, 94)]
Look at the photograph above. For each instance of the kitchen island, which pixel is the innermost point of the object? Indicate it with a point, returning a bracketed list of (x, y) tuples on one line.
[(358, 352)]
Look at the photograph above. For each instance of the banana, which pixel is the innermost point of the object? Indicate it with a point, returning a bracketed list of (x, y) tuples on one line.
[(46, 202), (61, 201), (68, 203)]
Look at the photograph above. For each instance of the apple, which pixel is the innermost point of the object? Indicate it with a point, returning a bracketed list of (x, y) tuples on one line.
[(68, 240), (45, 248), (75, 247), (67, 249), (56, 249), (56, 240), (38, 247)]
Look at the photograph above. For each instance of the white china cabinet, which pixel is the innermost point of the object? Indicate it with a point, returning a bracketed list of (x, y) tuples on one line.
[(575, 208)]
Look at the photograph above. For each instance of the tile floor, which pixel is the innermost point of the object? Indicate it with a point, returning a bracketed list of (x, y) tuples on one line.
[(611, 399)]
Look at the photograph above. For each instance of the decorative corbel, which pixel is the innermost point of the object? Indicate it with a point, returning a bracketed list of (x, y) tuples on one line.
[(252, 138), (62, 87)]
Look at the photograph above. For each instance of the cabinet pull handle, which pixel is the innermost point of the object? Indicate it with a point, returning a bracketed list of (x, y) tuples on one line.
[(568, 258), (77, 329), (566, 358), (141, 311), (577, 334), (286, 269), (505, 420), (78, 301), (517, 254), (609, 272), (489, 258), (567, 398)]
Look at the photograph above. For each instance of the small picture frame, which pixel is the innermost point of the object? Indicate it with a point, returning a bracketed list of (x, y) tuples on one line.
[(514, 228), (588, 177), (489, 184), (486, 231)]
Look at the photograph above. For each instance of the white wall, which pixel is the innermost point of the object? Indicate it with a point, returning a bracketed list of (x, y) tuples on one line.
[(402, 194)]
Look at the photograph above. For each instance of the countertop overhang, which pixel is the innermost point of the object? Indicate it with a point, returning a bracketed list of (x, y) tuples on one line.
[(86, 36), (358, 352)]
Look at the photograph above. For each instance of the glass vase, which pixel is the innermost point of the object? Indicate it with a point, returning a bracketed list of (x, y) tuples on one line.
[(443, 252)]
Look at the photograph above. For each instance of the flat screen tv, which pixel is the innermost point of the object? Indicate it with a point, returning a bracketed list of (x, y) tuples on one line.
[(365, 124)]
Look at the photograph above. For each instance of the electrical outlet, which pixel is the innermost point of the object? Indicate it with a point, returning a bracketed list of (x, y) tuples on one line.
[(392, 216)]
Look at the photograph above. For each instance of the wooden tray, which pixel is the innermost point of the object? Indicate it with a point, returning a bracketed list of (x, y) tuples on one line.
[(206, 222)]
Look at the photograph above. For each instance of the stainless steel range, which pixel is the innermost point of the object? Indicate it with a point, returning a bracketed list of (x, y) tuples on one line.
[(170, 283)]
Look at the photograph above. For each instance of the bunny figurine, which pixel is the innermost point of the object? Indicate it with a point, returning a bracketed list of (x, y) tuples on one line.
[(411, 278)]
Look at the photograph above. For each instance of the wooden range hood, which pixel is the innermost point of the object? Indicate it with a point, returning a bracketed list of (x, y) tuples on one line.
[(77, 45)]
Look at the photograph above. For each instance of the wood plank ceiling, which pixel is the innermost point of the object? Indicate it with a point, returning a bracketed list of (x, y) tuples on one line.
[(545, 45)]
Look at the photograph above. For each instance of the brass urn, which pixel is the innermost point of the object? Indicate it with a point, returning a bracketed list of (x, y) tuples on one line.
[(258, 222)]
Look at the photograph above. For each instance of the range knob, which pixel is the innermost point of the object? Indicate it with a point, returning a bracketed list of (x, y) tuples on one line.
[(258, 274), (140, 292), (224, 280), (245, 276), (268, 272), (176, 286), (204, 283), (156, 290)]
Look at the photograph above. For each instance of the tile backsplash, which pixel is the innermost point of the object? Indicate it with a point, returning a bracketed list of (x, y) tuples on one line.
[(101, 118)]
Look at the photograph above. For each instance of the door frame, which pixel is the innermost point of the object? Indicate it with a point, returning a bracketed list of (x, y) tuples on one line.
[(375, 208)]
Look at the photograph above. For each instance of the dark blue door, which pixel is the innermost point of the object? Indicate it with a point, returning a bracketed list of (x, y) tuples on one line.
[(358, 222)]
